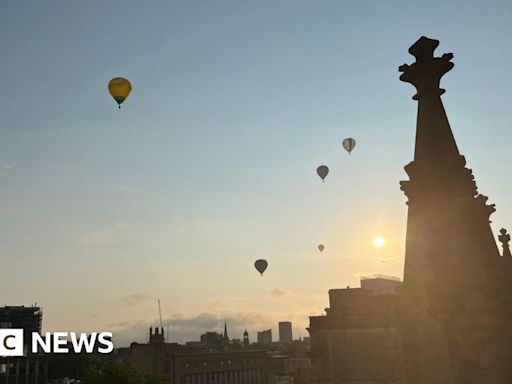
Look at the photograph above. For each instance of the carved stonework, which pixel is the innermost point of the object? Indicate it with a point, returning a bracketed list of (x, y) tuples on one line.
[(425, 74), (438, 176), (504, 239)]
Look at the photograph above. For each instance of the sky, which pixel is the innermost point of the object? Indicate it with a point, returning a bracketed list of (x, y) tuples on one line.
[(210, 164)]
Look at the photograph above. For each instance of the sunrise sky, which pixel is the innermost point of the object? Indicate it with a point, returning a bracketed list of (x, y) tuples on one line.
[(211, 163)]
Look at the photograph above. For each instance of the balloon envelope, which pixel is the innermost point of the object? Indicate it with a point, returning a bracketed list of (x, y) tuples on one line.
[(322, 171), (321, 247), (119, 89), (349, 144), (261, 265)]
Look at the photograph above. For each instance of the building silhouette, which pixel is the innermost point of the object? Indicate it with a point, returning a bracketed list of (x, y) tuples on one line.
[(449, 321), (209, 361), (212, 339), (357, 340), (380, 284), (156, 336), (29, 319), (264, 337), (225, 367), (29, 368), (285, 332), (218, 363)]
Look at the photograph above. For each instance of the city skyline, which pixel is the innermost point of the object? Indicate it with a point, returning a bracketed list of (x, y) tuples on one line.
[(211, 163)]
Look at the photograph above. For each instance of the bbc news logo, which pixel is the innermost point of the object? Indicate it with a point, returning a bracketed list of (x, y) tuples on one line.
[(12, 342)]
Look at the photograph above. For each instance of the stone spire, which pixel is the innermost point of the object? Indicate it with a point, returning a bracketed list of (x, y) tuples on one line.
[(434, 137), (226, 337), (436, 156), (449, 240), (504, 239), (455, 280)]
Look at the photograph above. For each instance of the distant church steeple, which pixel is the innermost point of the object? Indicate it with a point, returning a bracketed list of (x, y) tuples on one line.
[(226, 337), (246, 338)]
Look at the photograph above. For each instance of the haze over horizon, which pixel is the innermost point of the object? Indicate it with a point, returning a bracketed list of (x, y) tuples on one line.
[(210, 164)]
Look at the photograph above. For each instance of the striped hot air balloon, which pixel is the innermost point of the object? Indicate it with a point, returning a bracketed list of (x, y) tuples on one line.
[(349, 144)]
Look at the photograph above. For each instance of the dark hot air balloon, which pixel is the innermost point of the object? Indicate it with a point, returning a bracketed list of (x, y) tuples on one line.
[(261, 265), (322, 171), (321, 247)]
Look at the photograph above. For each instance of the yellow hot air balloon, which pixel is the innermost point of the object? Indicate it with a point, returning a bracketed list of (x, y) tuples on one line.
[(120, 89)]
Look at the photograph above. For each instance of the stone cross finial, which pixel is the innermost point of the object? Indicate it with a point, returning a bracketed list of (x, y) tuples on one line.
[(425, 74), (504, 239)]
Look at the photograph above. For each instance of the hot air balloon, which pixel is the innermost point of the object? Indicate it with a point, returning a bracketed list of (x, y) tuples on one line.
[(322, 171), (349, 144), (261, 265), (321, 247), (120, 89)]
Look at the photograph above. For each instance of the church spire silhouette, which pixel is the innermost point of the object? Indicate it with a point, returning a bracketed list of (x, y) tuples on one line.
[(434, 137), (456, 282), (226, 337), (453, 310), (448, 232)]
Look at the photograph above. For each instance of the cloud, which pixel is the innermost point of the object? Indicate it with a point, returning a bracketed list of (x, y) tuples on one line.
[(278, 292), (9, 164), (135, 299), (99, 238)]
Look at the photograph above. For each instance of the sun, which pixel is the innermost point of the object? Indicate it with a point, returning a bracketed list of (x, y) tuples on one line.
[(378, 241)]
